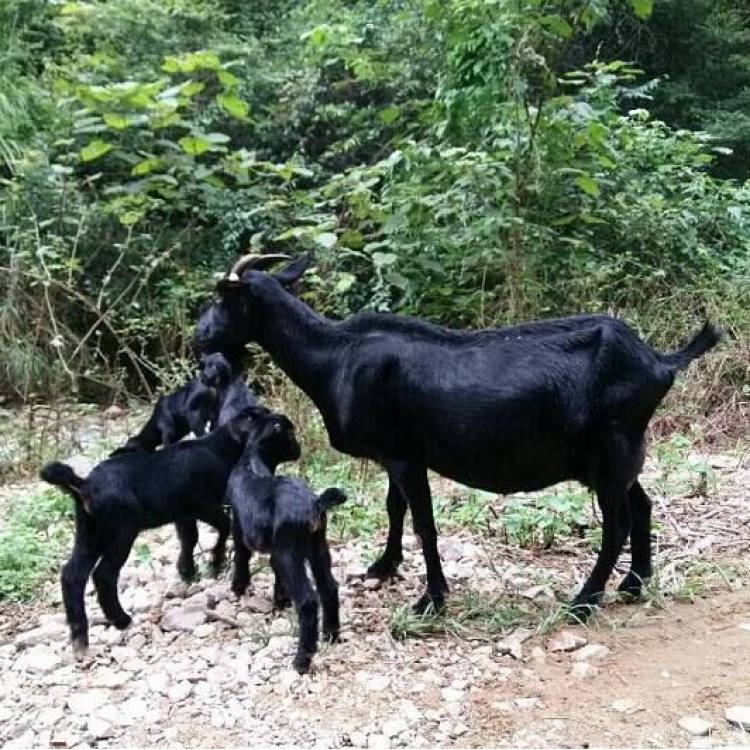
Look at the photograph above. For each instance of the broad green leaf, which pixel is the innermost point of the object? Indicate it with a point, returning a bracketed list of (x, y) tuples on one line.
[(192, 87), (228, 80), (588, 184), (115, 121), (557, 25), (345, 282), (326, 239), (95, 149), (146, 166), (389, 115), (195, 145), (384, 259), (642, 8), (233, 105), (217, 138)]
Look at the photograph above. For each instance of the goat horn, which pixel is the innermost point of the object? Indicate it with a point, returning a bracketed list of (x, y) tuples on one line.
[(255, 260)]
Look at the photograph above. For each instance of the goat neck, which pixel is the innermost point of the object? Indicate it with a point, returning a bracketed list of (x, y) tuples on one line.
[(299, 341)]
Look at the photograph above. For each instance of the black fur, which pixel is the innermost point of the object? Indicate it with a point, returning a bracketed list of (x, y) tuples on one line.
[(140, 490), (282, 517)]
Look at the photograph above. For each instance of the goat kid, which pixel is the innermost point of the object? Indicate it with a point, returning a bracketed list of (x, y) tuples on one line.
[(283, 517), (139, 490), (503, 410), (211, 399)]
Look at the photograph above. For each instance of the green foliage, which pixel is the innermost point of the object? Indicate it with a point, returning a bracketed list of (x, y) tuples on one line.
[(33, 538), (543, 519), (470, 161)]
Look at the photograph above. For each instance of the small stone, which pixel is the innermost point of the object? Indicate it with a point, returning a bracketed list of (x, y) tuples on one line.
[(176, 590), (624, 706), (744, 626), (583, 670), (50, 631), (739, 716), (180, 691), (98, 729), (86, 702), (48, 717), (137, 641), (112, 714), (355, 571), (591, 652), (526, 704), (378, 742), (358, 739), (182, 618), (538, 655), (114, 412), (205, 631), (565, 640), (451, 694), (219, 675), (394, 727), (144, 600), (258, 604), (372, 584), (378, 682), (459, 728), (39, 660), (289, 678), (695, 725), (158, 682), (107, 677)]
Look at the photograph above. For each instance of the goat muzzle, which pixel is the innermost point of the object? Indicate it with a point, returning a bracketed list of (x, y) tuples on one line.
[(256, 261)]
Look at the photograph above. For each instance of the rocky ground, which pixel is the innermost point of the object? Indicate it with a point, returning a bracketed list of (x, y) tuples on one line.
[(199, 668)]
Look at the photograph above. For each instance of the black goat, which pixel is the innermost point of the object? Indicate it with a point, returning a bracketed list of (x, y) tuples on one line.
[(140, 490), (283, 517), (216, 395), (503, 410)]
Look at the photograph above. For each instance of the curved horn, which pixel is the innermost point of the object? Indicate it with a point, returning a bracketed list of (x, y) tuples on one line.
[(254, 260)]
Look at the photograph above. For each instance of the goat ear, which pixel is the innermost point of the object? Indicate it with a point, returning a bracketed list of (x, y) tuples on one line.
[(294, 270)]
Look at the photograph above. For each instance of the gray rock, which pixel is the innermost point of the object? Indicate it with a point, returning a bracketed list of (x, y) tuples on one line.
[(394, 727), (219, 675), (49, 632), (183, 618), (176, 590), (88, 701), (180, 691), (450, 695), (378, 742), (566, 640), (39, 660), (739, 716), (695, 725), (107, 677), (258, 604), (584, 670), (591, 652), (99, 729), (358, 739)]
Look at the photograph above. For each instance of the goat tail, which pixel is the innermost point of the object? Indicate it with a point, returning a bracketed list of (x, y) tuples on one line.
[(63, 476), (329, 498), (705, 339)]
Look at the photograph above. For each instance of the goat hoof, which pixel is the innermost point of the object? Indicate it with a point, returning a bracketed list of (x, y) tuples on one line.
[(187, 574), (384, 568), (122, 622), (429, 604), (302, 663), (238, 589), (580, 611), (330, 636), (631, 587), (80, 647)]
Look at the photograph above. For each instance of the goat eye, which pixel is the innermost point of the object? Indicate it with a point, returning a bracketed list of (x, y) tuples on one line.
[(277, 427)]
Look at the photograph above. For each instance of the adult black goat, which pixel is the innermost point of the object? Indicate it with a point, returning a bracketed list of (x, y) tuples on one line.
[(504, 410), (216, 395), (139, 490)]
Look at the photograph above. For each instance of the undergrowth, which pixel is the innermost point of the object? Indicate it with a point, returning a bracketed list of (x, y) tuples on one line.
[(35, 533)]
